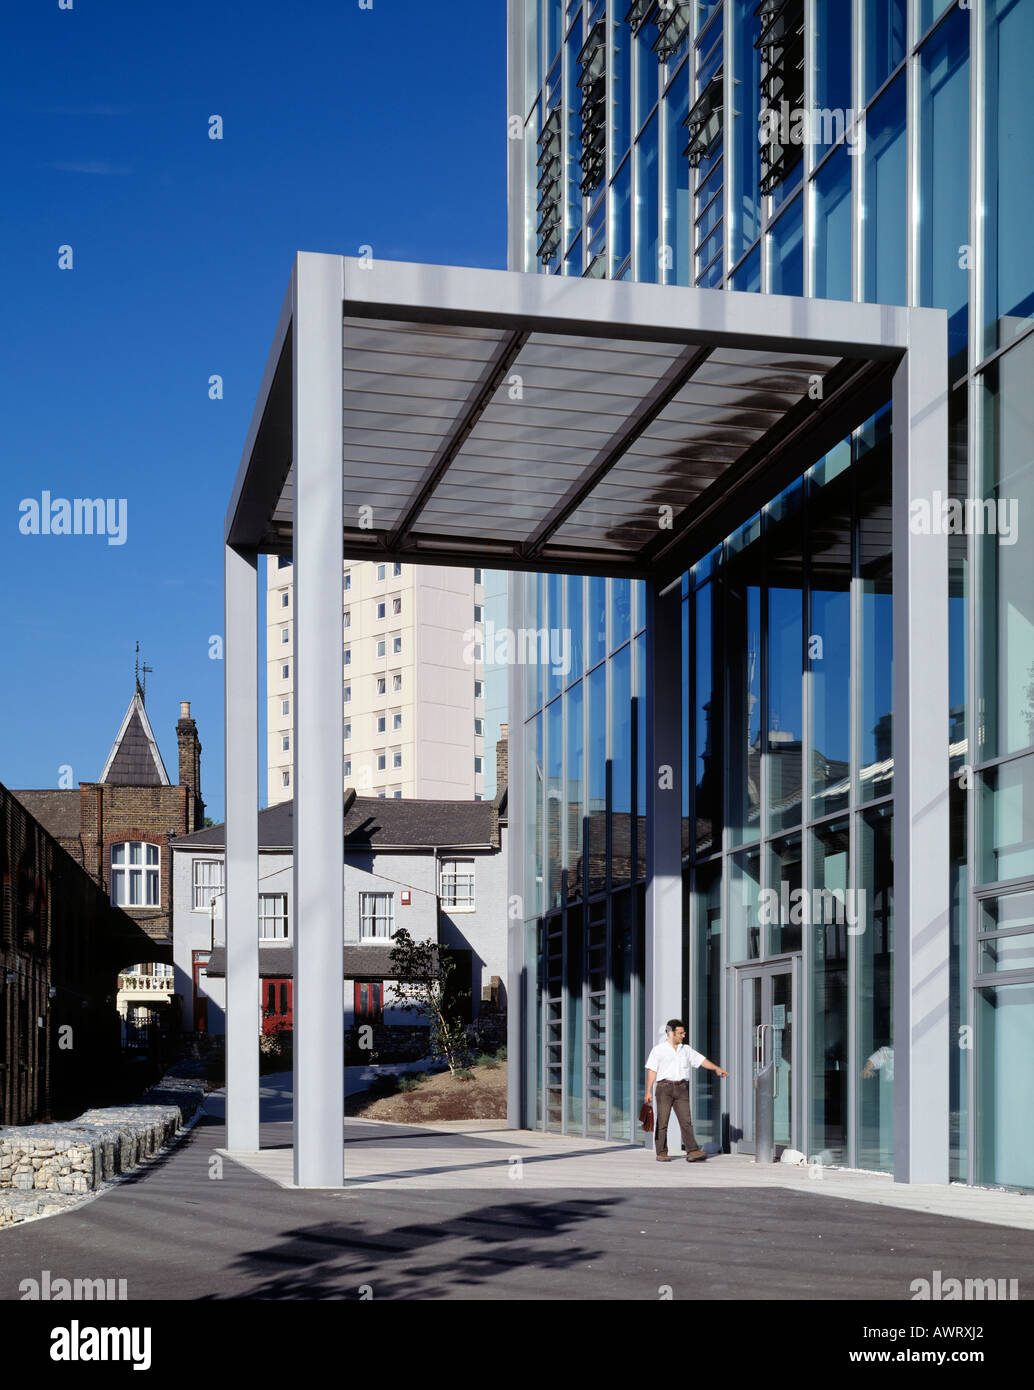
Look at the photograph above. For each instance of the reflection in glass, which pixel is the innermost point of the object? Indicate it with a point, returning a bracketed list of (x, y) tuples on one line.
[(1008, 187), (833, 55), (620, 1059), (944, 175), (620, 612), (575, 944), (827, 1133), (573, 594), (596, 620), (875, 680), (829, 642), (555, 617), (1005, 1116), (620, 95), (785, 916), (874, 990), (596, 772), (883, 216), (707, 740), (573, 107), (786, 251), (706, 1004), (745, 203), (744, 895), (831, 254), (575, 782), (533, 816), (785, 593), (621, 765), (647, 204), (743, 638), (621, 213), (554, 801), (1005, 828), (747, 275), (885, 39), (676, 180), (1005, 632)]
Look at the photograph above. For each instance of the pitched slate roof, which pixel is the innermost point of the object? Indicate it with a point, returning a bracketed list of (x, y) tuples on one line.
[(373, 822), (57, 810), (134, 760)]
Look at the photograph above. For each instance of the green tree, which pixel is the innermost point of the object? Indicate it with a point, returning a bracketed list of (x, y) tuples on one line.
[(423, 969)]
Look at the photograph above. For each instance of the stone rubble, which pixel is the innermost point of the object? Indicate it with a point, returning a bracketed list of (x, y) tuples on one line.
[(46, 1167)]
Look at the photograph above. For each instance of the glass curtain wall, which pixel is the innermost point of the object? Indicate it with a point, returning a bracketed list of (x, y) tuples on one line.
[(912, 187)]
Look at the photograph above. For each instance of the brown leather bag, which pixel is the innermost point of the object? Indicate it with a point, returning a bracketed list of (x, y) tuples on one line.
[(646, 1117)]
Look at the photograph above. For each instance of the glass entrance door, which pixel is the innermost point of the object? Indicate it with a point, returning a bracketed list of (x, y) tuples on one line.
[(767, 1011)]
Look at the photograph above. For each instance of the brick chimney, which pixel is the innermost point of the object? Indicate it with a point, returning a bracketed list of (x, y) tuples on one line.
[(502, 758), (190, 766)]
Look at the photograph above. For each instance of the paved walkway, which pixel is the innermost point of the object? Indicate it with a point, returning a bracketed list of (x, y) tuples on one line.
[(434, 1214), (467, 1156)]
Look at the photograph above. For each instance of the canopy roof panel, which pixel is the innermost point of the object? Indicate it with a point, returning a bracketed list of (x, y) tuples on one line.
[(527, 422)]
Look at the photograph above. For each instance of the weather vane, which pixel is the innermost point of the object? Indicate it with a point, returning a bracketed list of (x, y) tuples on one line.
[(142, 670)]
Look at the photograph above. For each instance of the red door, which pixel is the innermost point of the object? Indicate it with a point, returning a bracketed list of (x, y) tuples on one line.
[(277, 1005)]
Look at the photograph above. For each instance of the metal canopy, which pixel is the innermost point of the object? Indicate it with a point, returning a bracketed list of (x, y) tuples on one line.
[(531, 423)]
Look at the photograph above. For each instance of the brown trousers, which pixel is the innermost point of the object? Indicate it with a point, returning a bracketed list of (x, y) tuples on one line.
[(673, 1095)]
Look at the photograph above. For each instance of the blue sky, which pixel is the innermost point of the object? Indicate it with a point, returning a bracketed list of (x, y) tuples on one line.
[(342, 127)]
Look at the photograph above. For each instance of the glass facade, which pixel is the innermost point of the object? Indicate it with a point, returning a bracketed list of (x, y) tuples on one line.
[(905, 180)]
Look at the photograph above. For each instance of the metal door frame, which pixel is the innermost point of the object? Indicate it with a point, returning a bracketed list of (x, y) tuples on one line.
[(742, 1093)]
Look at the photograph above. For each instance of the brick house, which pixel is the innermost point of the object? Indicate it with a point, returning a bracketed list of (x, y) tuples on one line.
[(62, 944), (118, 828)]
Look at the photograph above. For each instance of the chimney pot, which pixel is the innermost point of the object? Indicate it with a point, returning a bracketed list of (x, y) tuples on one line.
[(184, 709)]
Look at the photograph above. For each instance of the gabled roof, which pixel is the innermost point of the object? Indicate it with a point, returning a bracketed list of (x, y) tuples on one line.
[(374, 823), (134, 760)]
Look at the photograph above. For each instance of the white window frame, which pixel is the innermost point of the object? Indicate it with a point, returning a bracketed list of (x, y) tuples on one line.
[(456, 885), (380, 647), (148, 870), (396, 720), (368, 913), (285, 598), (382, 609), (380, 571), (396, 646), (271, 916), (285, 672), (207, 884), (382, 720), (396, 681), (285, 707), (285, 636)]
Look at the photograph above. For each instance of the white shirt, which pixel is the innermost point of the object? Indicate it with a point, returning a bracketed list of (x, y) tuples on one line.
[(673, 1063)]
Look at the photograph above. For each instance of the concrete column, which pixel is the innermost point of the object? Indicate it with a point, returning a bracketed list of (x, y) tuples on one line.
[(318, 925), (664, 963), (922, 943), (241, 889)]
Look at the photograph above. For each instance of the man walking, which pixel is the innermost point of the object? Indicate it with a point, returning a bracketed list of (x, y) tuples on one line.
[(668, 1065)]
